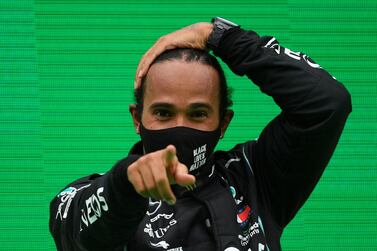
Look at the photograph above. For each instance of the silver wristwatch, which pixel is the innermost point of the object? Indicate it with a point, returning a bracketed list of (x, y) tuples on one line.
[(220, 25)]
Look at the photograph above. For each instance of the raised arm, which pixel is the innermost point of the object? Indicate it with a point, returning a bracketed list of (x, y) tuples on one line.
[(294, 148)]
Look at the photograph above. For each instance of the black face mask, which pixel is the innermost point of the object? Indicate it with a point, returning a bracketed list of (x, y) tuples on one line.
[(194, 147)]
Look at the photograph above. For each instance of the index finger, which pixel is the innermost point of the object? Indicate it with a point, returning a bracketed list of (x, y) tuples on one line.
[(170, 155)]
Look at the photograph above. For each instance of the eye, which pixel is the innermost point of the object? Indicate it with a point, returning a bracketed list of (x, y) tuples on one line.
[(200, 114), (162, 114)]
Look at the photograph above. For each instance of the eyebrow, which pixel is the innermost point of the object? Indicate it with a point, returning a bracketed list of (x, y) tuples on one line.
[(192, 106), (161, 105)]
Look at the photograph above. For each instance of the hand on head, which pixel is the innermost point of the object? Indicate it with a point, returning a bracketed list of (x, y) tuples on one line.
[(194, 36)]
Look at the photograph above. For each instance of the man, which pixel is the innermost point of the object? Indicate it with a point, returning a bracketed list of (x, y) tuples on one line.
[(172, 192)]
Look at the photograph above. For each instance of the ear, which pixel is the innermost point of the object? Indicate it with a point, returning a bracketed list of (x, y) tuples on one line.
[(226, 121), (135, 117)]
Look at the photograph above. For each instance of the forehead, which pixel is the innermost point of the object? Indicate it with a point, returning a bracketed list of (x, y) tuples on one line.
[(181, 83)]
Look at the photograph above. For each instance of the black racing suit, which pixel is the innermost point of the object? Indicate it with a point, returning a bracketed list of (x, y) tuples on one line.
[(248, 195)]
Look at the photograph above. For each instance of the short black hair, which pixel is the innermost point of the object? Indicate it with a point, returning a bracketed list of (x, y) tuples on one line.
[(190, 55)]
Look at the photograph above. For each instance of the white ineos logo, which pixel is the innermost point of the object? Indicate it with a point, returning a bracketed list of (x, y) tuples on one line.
[(95, 205)]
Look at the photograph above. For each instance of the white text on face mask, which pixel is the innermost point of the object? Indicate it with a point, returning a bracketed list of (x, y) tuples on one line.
[(199, 157)]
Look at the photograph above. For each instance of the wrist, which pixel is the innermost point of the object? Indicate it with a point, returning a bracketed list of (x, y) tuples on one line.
[(220, 27)]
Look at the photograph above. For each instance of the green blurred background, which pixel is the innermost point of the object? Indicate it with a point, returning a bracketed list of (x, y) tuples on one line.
[(66, 79)]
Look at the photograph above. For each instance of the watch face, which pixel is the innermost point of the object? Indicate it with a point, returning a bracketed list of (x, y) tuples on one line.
[(223, 20), (223, 23)]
